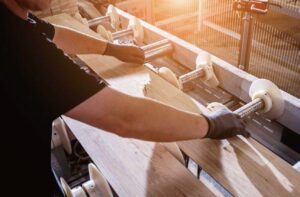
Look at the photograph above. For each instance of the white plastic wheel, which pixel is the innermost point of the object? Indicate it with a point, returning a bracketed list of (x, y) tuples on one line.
[(203, 61), (76, 192), (114, 17), (104, 33), (169, 75), (271, 94), (97, 186), (60, 135), (138, 30), (78, 17)]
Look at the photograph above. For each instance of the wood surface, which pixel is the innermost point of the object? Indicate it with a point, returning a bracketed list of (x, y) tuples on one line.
[(132, 167), (243, 167)]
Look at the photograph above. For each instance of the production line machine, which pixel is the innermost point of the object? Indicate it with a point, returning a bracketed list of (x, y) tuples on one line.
[(272, 115)]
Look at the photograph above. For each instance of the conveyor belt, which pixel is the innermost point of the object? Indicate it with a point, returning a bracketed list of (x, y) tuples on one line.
[(232, 162), (264, 131)]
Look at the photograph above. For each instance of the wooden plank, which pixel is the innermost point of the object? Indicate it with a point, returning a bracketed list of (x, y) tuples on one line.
[(242, 166), (134, 167), (232, 79)]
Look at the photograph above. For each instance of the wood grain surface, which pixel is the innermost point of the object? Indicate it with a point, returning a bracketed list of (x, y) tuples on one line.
[(242, 166), (132, 167)]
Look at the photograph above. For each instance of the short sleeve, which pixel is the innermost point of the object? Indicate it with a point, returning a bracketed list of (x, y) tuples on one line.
[(52, 83), (42, 26)]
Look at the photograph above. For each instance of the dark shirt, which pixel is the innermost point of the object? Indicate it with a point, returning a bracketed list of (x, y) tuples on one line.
[(38, 84)]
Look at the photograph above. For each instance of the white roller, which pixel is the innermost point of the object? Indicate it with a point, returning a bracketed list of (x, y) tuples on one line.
[(60, 135), (104, 33), (203, 61), (76, 192), (97, 186), (78, 16), (137, 28), (114, 17), (168, 75), (271, 95)]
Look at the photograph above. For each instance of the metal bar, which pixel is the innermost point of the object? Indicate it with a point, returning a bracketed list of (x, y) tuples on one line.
[(122, 33), (95, 21), (158, 52), (191, 75), (155, 44), (245, 43), (249, 108)]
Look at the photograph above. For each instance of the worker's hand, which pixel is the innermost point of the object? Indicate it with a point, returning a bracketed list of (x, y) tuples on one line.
[(126, 53), (225, 124)]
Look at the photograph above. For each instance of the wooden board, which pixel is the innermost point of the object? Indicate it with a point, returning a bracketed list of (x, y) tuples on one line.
[(242, 166), (134, 167)]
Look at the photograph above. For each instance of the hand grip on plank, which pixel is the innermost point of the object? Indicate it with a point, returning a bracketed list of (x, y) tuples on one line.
[(96, 186), (266, 98), (204, 69), (152, 51)]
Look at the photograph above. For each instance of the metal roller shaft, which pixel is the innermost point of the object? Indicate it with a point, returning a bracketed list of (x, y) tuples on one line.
[(122, 33), (191, 75), (96, 21), (155, 44), (251, 107), (157, 51)]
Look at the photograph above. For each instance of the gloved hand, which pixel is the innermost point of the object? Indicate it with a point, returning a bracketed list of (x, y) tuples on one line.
[(224, 124), (126, 53)]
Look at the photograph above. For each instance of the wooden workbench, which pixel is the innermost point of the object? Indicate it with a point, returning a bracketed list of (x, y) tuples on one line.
[(242, 166)]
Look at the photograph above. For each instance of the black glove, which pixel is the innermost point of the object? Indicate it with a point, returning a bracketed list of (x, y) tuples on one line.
[(225, 124)]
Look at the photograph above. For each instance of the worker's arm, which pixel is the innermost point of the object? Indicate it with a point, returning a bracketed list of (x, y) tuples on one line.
[(143, 118), (75, 42)]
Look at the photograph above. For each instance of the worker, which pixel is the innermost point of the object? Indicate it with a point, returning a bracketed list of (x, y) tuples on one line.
[(39, 83)]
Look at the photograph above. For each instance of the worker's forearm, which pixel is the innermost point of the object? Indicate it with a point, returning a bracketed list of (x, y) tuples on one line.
[(139, 117), (150, 120), (74, 42)]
